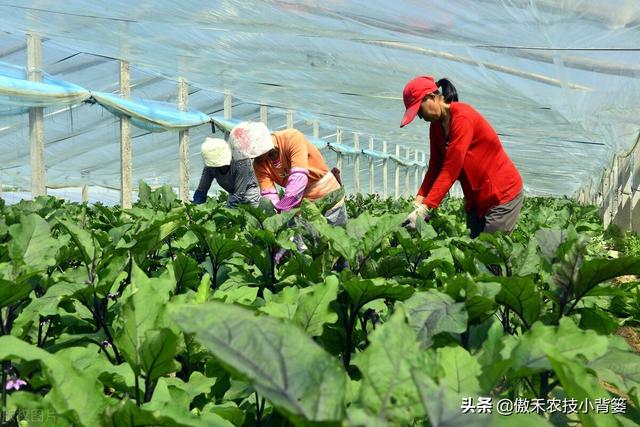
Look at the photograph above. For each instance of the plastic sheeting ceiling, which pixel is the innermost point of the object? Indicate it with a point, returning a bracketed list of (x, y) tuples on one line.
[(559, 80)]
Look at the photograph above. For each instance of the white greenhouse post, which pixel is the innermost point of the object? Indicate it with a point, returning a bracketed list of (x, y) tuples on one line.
[(604, 185), (228, 105), (600, 198), (356, 162), (416, 175), (423, 172), (613, 190), (316, 129), (264, 115), (407, 169), (626, 175), (606, 198), (611, 196), (183, 136), (125, 140), (620, 196), (36, 120), (339, 160), (289, 119), (385, 171), (85, 193), (587, 193), (397, 174), (628, 188), (635, 188), (372, 179)]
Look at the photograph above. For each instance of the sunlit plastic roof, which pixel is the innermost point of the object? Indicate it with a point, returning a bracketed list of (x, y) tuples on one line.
[(559, 80)]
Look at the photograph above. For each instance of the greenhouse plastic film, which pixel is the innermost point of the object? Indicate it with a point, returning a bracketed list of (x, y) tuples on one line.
[(557, 80)]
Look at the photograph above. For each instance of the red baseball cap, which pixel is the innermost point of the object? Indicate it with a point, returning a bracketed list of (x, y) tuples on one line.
[(413, 93)]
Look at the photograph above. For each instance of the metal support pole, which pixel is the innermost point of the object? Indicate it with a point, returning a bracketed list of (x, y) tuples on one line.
[(125, 141), (36, 120), (183, 101)]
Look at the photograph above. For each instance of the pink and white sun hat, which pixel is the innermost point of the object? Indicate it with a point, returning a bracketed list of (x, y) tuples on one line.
[(249, 140)]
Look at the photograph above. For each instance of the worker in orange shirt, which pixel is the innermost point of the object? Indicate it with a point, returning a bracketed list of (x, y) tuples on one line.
[(287, 159), (464, 147)]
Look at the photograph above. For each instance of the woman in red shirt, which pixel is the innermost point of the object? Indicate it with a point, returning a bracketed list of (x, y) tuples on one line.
[(463, 147)]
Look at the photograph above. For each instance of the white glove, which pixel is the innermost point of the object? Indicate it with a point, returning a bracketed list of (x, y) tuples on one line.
[(419, 213)]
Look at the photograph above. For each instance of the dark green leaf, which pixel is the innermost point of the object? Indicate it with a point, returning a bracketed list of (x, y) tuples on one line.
[(153, 233), (46, 305), (363, 291), (144, 192), (529, 261), (282, 305), (340, 241), (73, 393), (433, 312), (187, 272), (12, 291), (520, 295), (141, 309), (595, 271), (565, 341), (126, 413), (597, 319), (443, 405), (32, 244), (227, 410), (389, 267), (494, 363), (85, 241), (313, 307), (621, 368), (157, 353), (582, 386), (461, 370), (299, 378), (387, 391), (549, 241)]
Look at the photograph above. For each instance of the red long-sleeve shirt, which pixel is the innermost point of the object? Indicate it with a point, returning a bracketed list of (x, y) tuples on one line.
[(474, 156)]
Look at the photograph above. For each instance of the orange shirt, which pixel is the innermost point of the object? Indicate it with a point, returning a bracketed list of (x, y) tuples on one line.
[(298, 154)]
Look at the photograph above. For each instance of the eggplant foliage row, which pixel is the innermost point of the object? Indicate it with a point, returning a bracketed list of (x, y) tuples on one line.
[(174, 314)]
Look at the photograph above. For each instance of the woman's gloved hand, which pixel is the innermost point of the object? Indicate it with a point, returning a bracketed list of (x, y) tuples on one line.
[(420, 213)]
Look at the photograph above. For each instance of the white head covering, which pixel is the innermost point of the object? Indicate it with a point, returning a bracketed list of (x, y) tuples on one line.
[(249, 140), (215, 152)]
